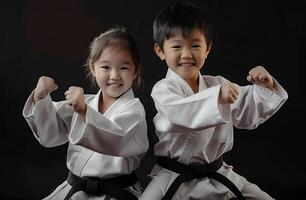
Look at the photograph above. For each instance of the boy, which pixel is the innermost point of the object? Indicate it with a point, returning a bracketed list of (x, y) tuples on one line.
[(196, 114)]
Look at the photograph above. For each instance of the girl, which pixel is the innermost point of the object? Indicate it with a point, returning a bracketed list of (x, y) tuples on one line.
[(106, 132)]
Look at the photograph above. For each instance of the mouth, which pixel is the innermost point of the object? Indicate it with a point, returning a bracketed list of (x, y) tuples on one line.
[(186, 64), (114, 84)]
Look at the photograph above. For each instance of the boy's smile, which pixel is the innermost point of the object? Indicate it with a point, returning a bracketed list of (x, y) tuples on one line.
[(185, 55)]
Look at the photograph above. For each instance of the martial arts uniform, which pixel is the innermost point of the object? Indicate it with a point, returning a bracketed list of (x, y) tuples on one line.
[(194, 129), (103, 146)]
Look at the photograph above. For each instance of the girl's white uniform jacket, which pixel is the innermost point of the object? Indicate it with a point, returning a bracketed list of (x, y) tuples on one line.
[(194, 128), (102, 145)]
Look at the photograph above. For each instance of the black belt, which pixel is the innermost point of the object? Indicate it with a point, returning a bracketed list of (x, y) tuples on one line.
[(190, 172), (112, 186)]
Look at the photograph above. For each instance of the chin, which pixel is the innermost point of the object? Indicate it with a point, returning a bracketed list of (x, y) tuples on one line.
[(187, 76), (116, 95)]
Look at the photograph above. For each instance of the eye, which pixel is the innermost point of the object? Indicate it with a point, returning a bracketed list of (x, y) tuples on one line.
[(196, 46), (104, 67), (125, 67), (176, 47)]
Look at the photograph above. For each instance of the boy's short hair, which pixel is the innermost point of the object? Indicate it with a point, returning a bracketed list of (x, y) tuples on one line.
[(183, 16)]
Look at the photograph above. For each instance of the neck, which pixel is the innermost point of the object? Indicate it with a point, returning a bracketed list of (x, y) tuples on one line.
[(194, 84), (105, 103)]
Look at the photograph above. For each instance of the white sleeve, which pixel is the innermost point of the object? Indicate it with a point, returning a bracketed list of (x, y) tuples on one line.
[(256, 104), (49, 121), (195, 112), (125, 135)]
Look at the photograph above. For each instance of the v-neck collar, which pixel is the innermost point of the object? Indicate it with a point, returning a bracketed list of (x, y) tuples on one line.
[(123, 98), (172, 75)]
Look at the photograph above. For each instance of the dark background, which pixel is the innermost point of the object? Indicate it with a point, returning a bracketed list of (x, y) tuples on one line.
[(52, 38)]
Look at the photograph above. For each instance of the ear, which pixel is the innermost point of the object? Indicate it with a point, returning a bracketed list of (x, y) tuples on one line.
[(159, 52), (92, 69), (208, 50), (135, 75)]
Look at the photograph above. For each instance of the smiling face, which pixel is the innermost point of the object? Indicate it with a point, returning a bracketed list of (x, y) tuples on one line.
[(185, 55), (114, 72)]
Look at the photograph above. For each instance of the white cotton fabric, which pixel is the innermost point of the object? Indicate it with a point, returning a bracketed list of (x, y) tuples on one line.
[(194, 128), (104, 145)]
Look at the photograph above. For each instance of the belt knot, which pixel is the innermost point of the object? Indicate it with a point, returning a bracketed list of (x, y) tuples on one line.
[(92, 186), (198, 171)]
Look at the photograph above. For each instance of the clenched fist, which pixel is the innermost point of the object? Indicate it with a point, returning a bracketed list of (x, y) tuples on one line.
[(260, 76), (45, 85), (229, 93), (75, 98)]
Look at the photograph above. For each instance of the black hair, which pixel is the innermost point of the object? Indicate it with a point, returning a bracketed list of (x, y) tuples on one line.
[(183, 16)]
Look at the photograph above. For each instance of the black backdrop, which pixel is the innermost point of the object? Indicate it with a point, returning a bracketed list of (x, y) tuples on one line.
[(52, 37)]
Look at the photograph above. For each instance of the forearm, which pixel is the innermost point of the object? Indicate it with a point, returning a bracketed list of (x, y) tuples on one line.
[(44, 121)]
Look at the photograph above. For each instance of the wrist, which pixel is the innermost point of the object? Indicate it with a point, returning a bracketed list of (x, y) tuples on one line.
[(271, 87), (82, 111)]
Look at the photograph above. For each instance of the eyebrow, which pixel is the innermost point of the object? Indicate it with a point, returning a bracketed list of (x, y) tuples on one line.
[(103, 61), (175, 40), (196, 40), (108, 61), (179, 40), (127, 62)]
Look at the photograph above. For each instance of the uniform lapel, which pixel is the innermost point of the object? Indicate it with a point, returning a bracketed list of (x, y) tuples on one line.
[(128, 95)]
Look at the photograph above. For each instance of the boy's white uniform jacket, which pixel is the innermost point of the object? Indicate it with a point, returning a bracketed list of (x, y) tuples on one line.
[(194, 128), (104, 145)]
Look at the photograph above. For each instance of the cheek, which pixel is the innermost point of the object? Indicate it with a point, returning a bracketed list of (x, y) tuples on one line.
[(130, 76), (133, 73), (101, 77), (173, 59)]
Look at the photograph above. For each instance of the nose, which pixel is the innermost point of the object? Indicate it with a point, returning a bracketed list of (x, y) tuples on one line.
[(114, 75), (186, 53)]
